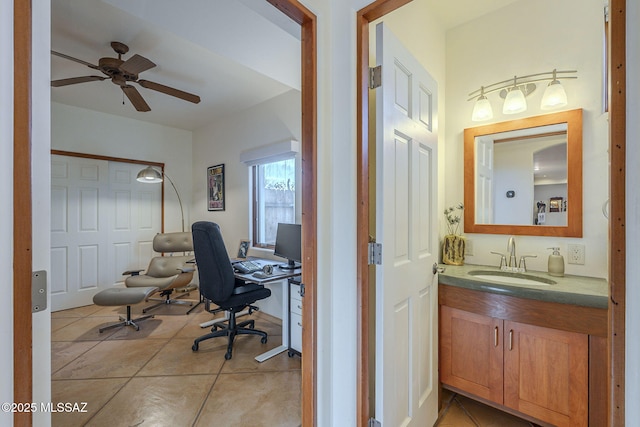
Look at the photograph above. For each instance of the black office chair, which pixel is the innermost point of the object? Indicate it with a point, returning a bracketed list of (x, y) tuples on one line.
[(219, 285)]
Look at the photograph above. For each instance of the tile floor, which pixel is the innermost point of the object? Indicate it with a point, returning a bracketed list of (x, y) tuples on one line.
[(151, 377), (460, 411)]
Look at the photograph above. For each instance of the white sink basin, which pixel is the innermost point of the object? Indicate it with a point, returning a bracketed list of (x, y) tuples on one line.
[(511, 278)]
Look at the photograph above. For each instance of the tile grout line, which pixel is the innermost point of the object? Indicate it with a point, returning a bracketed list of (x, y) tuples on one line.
[(74, 359), (204, 401), (129, 378), (443, 412), (466, 412)]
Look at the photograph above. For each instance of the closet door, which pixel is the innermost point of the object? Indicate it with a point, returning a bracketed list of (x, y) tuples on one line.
[(134, 217), (78, 230), (102, 223)]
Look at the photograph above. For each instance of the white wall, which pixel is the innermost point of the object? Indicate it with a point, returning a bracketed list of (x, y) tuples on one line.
[(41, 199), (6, 209), (86, 131), (513, 171), (222, 141), (525, 38)]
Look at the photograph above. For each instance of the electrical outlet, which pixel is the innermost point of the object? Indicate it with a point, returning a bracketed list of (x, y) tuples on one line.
[(468, 247), (575, 254)]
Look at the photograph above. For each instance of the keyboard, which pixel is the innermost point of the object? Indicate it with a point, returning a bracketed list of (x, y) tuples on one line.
[(246, 267)]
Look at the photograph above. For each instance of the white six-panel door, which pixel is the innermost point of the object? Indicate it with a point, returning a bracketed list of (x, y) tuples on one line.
[(406, 225), (484, 181), (102, 223)]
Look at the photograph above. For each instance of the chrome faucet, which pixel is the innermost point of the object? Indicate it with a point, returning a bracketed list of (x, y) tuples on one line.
[(511, 248)]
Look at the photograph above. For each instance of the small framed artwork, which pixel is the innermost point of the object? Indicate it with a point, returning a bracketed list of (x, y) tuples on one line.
[(244, 248), (555, 204), (215, 187)]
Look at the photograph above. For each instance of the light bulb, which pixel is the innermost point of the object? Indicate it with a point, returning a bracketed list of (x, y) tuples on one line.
[(482, 110), (514, 102), (554, 96)]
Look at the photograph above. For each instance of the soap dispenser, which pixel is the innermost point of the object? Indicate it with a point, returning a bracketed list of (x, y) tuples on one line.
[(556, 263)]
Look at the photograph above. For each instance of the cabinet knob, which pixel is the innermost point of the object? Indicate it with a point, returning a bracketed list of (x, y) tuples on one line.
[(495, 337), (510, 339)]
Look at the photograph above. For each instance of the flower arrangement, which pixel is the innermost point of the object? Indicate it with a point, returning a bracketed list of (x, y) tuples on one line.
[(453, 219)]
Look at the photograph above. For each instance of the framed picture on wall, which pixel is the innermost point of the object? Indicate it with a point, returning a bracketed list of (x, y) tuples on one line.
[(215, 187), (555, 204)]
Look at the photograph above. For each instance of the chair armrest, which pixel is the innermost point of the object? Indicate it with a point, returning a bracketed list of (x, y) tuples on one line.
[(132, 272)]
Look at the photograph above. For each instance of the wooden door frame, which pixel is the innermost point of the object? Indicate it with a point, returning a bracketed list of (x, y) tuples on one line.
[(22, 211), (617, 268), (22, 208), (617, 195)]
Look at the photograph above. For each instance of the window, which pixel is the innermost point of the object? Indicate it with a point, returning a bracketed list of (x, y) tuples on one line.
[(274, 199)]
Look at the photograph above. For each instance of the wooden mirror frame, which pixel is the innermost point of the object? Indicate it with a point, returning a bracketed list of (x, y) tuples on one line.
[(573, 119)]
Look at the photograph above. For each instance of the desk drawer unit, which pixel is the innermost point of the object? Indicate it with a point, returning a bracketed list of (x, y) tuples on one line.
[(295, 318)]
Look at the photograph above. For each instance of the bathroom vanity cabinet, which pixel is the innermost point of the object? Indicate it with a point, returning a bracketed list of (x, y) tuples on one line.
[(541, 360)]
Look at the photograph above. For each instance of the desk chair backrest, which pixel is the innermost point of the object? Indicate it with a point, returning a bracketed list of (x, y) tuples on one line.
[(168, 244), (216, 275)]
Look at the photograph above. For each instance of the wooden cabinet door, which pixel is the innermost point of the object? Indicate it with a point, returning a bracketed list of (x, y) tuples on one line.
[(546, 373), (471, 353)]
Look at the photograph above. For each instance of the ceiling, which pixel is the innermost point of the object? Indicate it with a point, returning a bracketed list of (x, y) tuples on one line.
[(192, 51), (233, 54)]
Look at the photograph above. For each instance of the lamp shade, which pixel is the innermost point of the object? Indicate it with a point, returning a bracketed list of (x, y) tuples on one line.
[(482, 110), (149, 175), (554, 96), (514, 102)]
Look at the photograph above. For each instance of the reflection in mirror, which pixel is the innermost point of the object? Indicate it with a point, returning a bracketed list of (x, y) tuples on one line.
[(525, 176), (529, 168)]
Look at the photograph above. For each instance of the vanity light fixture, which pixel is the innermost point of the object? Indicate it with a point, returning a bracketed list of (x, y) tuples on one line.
[(516, 89)]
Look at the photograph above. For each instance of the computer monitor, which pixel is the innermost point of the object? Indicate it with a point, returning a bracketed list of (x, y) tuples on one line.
[(289, 245)]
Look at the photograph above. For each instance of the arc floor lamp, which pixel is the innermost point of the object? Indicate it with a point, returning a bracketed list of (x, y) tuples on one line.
[(150, 175)]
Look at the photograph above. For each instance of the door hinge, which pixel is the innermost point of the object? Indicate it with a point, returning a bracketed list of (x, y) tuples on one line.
[(38, 291), (375, 77), (374, 423), (375, 253)]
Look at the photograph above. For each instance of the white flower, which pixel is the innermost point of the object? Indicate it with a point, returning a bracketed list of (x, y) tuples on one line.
[(453, 221)]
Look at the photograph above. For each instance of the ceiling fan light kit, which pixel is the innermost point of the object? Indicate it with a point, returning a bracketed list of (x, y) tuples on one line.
[(122, 72)]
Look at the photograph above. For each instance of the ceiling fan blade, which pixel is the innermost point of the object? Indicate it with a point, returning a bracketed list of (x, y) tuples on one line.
[(136, 64), (74, 80), (71, 58), (136, 99), (169, 91)]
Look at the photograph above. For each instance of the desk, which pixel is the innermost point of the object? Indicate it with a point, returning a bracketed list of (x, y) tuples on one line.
[(281, 276)]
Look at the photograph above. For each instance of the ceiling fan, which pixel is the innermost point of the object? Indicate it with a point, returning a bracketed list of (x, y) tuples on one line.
[(122, 73)]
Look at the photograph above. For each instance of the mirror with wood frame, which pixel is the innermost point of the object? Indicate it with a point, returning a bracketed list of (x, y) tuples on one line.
[(524, 177)]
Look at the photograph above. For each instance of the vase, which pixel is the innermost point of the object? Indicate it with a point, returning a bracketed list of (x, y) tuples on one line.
[(453, 249)]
